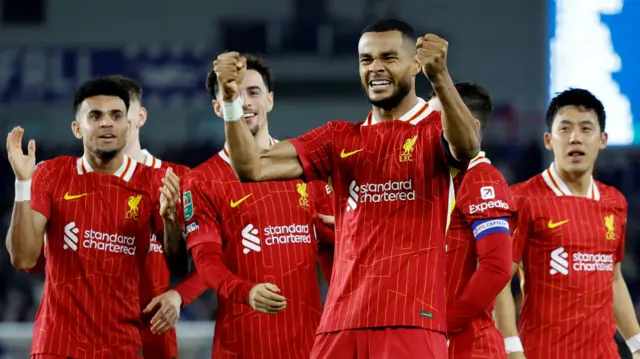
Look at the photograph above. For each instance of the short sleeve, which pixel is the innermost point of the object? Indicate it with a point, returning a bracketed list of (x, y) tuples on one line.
[(315, 152), (485, 200), (521, 224), (448, 156), (41, 182), (201, 222)]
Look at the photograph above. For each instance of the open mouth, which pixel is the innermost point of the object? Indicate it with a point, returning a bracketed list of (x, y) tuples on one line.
[(379, 84), (249, 116), (107, 137), (576, 155)]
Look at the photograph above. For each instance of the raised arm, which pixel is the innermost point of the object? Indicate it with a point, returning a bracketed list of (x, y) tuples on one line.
[(458, 125), (25, 238), (280, 162)]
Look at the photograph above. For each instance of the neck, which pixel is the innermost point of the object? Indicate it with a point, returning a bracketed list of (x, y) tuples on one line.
[(134, 150), (263, 138), (395, 113), (578, 183), (108, 166)]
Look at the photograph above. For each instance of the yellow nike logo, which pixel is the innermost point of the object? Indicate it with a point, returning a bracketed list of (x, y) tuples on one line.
[(347, 154), (557, 224), (237, 203), (69, 197)]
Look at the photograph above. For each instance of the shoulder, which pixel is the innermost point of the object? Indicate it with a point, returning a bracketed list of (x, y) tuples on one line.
[(57, 164), (484, 172), (611, 194), (178, 169)]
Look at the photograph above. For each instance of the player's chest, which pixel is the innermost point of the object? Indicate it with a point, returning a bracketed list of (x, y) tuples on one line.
[(577, 225), (393, 152), (267, 217), (103, 217)]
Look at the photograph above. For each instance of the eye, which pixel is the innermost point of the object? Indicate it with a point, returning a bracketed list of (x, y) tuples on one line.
[(94, 116), (365, 61), (254, 93)]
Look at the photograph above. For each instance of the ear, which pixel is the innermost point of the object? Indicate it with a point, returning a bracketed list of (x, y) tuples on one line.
[(547, 141), (270, 101), (415, 66), (478, 125), (217, 108), (604, 138), (75, 129), (143, 116)]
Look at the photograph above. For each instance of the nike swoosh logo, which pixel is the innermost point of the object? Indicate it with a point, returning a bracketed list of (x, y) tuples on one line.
[(347, 154), (69, 197), (237, 203), (557, 224)]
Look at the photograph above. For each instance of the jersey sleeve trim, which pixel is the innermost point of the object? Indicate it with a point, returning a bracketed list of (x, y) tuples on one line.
[(451, 161), (484, 227)]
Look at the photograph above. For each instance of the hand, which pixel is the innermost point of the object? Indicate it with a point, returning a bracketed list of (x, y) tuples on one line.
[(169, 195), (432, 55), (263, 298), (230, 68), (168, 314), (23, 166), (517, 355), (636, 355), (328, 220)]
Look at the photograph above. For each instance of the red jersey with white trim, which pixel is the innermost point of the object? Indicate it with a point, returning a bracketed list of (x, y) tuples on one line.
[(156, 279), (483, 207), (568, 247), (97, 242), (392, 196), (267, 234)]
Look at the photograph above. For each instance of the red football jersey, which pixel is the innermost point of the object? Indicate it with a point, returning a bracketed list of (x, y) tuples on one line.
[(97, 242), (156, 280), (483, 206), (392, 196), (267, 235), (568, 247)]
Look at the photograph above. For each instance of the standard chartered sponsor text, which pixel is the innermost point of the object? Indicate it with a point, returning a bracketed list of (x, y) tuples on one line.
[(114, 243), (590, 262), (387, 192), (293, 233)]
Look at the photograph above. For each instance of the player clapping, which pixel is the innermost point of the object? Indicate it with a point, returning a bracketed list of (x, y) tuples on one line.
[(97, 212)]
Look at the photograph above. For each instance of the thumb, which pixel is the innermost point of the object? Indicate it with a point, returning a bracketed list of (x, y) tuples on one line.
[(151, 305), (326, 219), (31, 149), (272, 287)]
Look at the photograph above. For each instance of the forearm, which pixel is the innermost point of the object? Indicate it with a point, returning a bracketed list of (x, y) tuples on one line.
[(458, 125), (23, 245), (493, 272), (505, 313), (190, 288), (217, 276), (623, 309), (174, 248), (243, 151)]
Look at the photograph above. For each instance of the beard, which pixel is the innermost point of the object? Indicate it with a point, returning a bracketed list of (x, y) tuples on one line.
[(106, 154), (402, 90)]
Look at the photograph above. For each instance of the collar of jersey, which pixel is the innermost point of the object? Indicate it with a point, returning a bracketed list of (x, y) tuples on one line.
[(560, 188), (417, 113), (125, 171), (224, 154)]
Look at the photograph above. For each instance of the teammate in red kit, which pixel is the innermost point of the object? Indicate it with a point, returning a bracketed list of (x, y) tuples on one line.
[(390, 174), (478, 245), (97, 212), (158, 333), (569, 241), (255, 244)]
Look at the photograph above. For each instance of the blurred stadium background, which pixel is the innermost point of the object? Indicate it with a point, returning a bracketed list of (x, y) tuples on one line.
[(522, 51)]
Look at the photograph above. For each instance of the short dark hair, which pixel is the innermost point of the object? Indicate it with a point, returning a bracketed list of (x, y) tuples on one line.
[(384, 25), (576, 97), (102, 86), (253, 63), (477, 100), (134, 88)]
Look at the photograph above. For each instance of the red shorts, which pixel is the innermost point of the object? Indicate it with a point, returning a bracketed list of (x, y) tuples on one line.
[(483, 343), (155, 346), (380, 343)]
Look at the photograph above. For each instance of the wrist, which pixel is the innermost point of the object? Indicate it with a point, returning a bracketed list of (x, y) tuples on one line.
[(232, 110), (513, 345), (634, 343), (23, 190), (440, 79)]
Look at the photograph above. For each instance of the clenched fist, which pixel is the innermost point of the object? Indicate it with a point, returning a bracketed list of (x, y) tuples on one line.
[(432, 55), (230, 68)]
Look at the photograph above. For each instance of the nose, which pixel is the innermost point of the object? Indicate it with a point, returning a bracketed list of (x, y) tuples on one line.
[(575, 138), (376, 66)]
